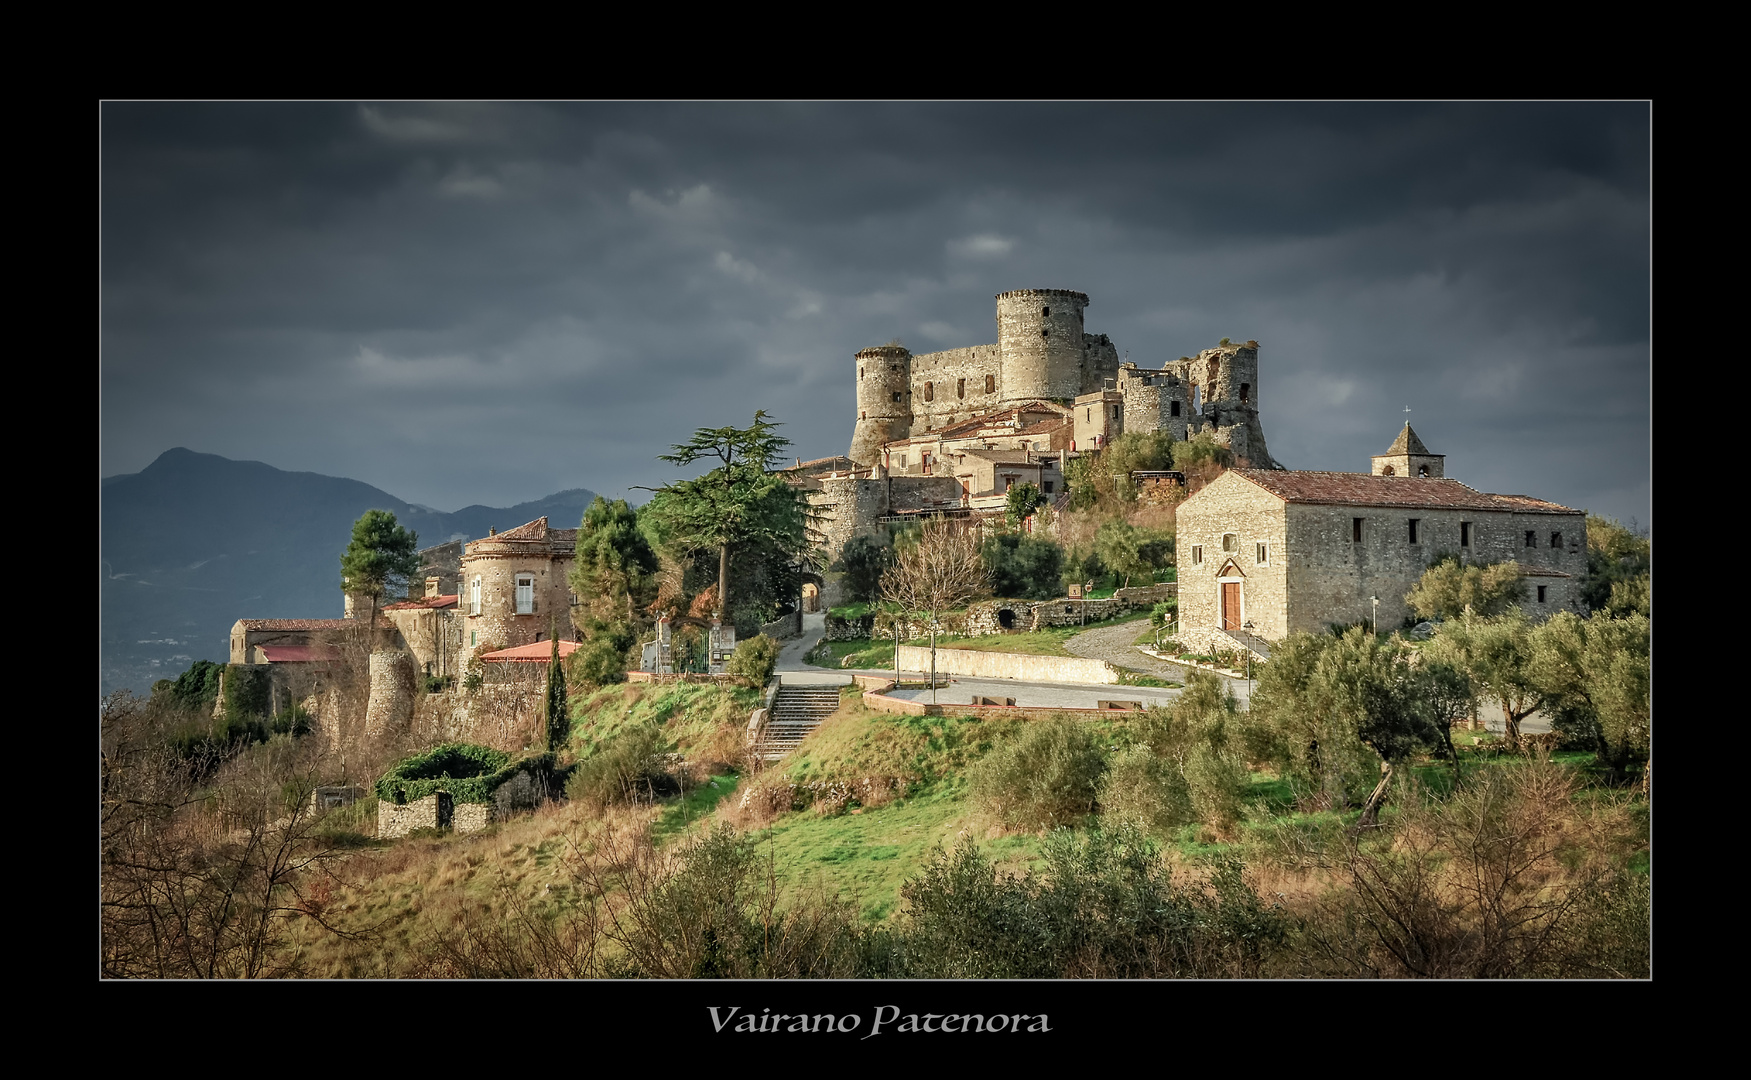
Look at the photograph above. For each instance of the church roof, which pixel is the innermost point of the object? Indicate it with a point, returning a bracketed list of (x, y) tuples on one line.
[(1409, 492), (1408, 443), (533, 532)]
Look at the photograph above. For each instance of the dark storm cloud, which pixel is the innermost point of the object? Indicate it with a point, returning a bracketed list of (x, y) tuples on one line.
[(486, 303)]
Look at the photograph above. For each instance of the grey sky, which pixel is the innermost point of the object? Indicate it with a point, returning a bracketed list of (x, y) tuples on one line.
[(487, 303)]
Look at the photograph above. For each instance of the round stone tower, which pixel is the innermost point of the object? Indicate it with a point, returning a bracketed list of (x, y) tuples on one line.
[(1039, 336), (884, 400)]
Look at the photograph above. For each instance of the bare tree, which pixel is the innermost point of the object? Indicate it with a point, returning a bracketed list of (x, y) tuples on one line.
[(942, 571)]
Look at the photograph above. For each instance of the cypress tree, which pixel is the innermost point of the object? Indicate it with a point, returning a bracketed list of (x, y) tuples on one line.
[(558, 711)]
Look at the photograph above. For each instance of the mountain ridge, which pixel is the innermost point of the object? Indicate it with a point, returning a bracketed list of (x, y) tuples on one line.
[(193, 542)]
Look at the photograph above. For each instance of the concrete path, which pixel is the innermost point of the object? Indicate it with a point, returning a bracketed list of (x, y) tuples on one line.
[(794, 671), (1113, 644)]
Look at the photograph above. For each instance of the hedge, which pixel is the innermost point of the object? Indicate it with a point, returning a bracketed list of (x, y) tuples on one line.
[(469, 773)]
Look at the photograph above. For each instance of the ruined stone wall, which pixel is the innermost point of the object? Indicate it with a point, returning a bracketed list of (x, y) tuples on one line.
[(503, 713), (396, 821), (949, 386), (1100, 362), (434, 637), (1155, 401), (917, 492), (391, 701)]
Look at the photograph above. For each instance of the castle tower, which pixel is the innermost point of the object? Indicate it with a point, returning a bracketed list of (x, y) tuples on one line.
[(1407, 456), (884, 400), (1040, 338)]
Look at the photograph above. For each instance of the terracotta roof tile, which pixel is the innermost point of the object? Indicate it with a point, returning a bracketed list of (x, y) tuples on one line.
[(429, 603), (1361, 489), (539, 652), (298, 654), (534, 530), (310, 624)]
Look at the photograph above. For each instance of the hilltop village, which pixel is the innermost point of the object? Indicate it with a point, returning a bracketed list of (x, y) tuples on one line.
[(1263, 551), (1280, 667)]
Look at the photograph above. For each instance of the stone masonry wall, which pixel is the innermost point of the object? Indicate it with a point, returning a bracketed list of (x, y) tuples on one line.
[(947, 401), (1232, 506), (995, 665)]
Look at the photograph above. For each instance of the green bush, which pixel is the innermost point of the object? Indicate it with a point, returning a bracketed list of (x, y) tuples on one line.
[(629, 766), (755, 659), (1048, 776), (1023, 566), (1146, 792)]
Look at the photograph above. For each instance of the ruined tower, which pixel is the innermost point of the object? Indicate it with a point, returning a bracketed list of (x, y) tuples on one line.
[(884, 400), (1040, 340)]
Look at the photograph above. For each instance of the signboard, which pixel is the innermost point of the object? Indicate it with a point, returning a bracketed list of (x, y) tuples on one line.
[(1076, 592)]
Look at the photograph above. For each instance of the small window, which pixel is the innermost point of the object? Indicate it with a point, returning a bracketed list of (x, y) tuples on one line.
[(473, 638), (990, 384), (1230, 541), (1245, 392), (1531, 538), (1556, 541), (525, 594), (960, 388), (1541, 589), (896, 395), (1423, 471), (1356, 530), (1045, 313), (1173, 409), (1046, 486), (474, 597), (929, 391), (1414, 522), (1045, 333), (1465, 534), (860, 373), (1264, 555), (1388, 470), (1115, 412), (1197, 554)]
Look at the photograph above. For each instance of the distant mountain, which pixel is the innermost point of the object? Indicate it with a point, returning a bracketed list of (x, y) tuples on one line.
[(194, 542)]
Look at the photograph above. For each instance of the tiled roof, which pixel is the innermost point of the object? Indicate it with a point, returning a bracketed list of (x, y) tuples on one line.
[(534, 530), (1408, 443), (538, 653), (429, 603), (309, 624), (1361, 489)]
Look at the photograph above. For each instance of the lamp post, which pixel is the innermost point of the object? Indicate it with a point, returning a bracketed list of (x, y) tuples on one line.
[(1376, 601), (1247, 626)]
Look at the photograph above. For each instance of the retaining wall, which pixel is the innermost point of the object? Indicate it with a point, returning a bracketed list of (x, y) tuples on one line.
[(996, 665)]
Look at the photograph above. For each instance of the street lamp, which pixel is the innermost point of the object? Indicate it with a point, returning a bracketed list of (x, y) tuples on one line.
[(1376, 601), (1247, 626)]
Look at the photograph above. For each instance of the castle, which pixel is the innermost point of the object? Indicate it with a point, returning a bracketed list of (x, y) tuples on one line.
[(951, 432)]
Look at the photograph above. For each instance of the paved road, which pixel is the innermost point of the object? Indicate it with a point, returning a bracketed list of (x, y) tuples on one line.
[(1113, 644)]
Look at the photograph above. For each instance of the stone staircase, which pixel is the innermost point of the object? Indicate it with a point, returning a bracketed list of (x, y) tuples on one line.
[(796, 712)]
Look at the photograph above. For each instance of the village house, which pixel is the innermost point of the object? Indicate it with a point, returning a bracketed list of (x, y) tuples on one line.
[(1264, 553)]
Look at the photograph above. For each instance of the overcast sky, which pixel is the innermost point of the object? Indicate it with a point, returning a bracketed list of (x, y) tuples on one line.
[(488, 303)]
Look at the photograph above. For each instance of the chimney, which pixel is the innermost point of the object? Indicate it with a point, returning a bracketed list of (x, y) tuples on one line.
[(431, 587), (492, 530)]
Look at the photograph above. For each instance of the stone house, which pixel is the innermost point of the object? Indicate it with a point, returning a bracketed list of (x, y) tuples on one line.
[(1264, 553), (515, 588)]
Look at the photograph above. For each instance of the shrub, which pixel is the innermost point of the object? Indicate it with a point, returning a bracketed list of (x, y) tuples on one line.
[(630, 766), (1049, 775), (755, 659), (1146, 792), (863, 560), (1023, 566)]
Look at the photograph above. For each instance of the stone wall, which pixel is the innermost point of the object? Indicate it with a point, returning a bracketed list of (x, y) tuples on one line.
[(1232, 506), (395, 821), (1148, 594), (391, 703), (432, 812), (784, 627), (996, 665), (838, 629), (949, 386), (1151, 398), (884, 403), (1040, 333)]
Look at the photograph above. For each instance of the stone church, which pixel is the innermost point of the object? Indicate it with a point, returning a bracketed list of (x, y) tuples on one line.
[(1266, 553)]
